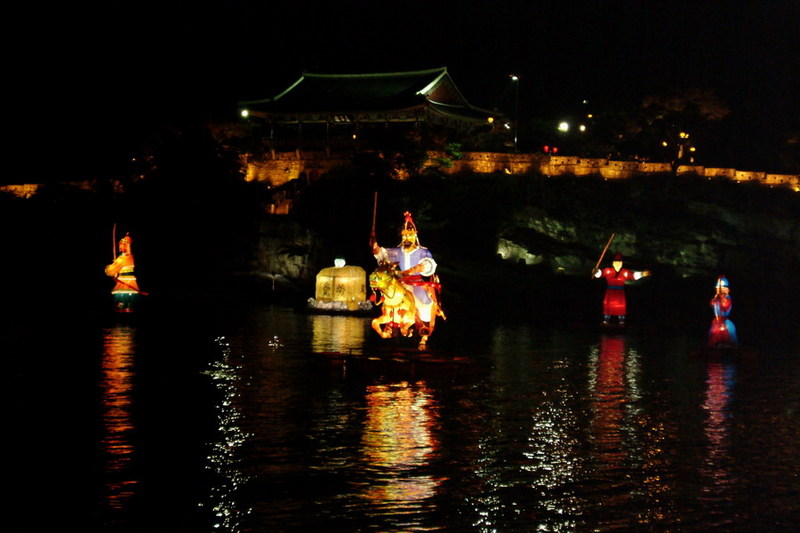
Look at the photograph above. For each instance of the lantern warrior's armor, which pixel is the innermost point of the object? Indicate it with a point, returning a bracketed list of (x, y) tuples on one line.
[(722, 333), (126, 291), (417, 273), (614, 303)]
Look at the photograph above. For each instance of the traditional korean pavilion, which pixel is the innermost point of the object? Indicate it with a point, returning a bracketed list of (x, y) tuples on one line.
[(325, 108)]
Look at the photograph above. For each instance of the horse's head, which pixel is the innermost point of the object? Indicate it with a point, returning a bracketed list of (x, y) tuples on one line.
[(383, 276)]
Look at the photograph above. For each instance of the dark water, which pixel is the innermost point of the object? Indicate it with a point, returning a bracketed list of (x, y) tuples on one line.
[(240, 419)]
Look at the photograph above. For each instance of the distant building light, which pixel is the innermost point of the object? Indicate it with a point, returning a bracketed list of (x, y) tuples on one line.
[(490, 120), (582, 127), (564, 126)]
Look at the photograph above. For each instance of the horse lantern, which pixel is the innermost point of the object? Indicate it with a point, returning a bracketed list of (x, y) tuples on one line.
[(399, 307)]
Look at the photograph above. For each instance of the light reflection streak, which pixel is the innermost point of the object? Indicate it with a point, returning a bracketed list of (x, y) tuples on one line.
[(648, 441), (609, 397), (552, 458), (719, 381), (398, 440), (117, 385), (542, 480), (617, 419), (223, 456)]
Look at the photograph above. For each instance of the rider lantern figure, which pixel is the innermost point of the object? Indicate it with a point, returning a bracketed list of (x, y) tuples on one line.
[(614, 302), (417, 271)]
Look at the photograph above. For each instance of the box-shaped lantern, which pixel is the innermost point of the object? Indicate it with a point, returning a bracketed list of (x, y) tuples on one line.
[(342, 283)]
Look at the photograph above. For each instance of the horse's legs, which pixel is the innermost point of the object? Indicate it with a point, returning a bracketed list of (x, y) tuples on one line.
[(378, 322)]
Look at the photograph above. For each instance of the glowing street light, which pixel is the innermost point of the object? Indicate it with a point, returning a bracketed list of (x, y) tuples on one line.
[(563, 126), (515, 79)]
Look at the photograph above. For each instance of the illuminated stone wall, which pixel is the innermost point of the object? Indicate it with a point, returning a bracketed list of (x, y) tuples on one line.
[(288, 166), (21, 191), (309, 166)]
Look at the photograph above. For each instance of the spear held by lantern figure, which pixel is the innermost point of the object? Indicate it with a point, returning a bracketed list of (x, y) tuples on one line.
[(603, 254), (372, 238)]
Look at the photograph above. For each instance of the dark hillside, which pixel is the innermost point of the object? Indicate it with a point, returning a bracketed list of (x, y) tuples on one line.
[(526, 244)]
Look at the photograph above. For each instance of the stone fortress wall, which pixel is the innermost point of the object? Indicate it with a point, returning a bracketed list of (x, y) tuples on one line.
[(284, 167), (287, 166), (608, 169)]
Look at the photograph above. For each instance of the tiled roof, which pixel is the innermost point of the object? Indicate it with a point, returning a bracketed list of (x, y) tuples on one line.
[(335, 94)]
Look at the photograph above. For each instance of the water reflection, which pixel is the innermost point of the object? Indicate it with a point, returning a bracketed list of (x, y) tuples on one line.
[(118, 371), (224, 455), (532, 388), (718, 394), (553, 431), (338, 333), (627, 439), (398, 442), (610, 397)]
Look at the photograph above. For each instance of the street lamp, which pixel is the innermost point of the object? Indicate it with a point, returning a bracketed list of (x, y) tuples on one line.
[(515, 79)]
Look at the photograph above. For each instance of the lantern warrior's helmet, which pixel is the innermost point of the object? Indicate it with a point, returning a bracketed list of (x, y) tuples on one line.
[(722, 282), (125, 244), (409, 233)]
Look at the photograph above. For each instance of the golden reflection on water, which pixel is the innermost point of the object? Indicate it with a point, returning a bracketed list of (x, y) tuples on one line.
[(398, 441), (338, 333), (117, 384)]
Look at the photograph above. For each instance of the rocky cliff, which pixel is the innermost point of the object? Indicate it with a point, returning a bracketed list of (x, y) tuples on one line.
[(528, 243)]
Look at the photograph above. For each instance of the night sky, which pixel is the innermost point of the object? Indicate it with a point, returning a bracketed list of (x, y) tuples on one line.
[(88, 82)]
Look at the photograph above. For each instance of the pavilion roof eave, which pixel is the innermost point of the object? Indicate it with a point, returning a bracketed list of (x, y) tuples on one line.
[(407, 114), (466, 113)]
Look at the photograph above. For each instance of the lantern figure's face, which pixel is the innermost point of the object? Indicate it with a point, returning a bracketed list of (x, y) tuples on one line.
[(409, 241), (125, 245), (617, 265)]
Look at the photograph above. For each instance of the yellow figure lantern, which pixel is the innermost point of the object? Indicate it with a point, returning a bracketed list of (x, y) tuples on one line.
[(341, 287), (126, 290)]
